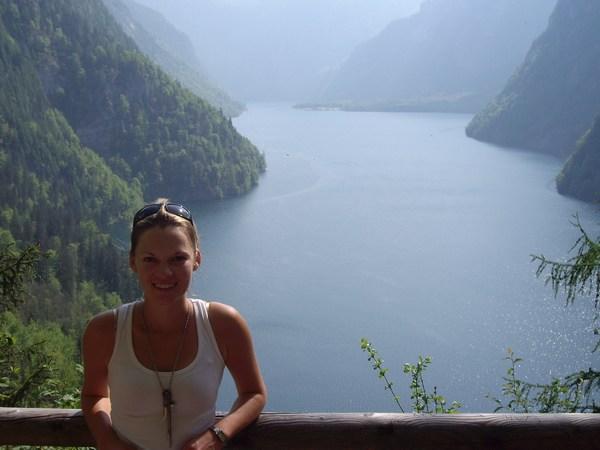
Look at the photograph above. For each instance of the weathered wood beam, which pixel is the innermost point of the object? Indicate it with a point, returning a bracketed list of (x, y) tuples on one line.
[(40, 426), (331, 431)]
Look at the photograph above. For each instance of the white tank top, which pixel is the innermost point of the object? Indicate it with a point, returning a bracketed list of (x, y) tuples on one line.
[(136, 397)]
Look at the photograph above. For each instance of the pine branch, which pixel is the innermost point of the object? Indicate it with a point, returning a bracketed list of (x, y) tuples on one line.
[(579, 275)]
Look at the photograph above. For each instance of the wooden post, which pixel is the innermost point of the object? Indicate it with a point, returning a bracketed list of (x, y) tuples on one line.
[(348, 431)]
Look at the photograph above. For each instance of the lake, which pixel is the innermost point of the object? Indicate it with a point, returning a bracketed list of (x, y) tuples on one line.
[(398, 228)]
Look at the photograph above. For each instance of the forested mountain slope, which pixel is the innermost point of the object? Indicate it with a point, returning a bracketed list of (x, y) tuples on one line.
[(450, 56), (89, 128), (63, 196), (580, 177), (171, 50), (554, 96), (145, 125), (56, 192)]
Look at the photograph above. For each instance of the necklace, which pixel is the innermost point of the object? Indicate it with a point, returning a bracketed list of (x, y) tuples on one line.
[(167, 395)]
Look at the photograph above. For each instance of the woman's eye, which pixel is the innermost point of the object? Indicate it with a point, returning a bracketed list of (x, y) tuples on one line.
[(181, 258), (148, 259)]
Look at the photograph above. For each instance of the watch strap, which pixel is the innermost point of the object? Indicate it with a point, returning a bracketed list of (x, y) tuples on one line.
[(221, 436)]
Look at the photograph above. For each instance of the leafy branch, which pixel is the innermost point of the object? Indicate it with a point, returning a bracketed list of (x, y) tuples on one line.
[(579, 275), (423, 401), (571, 394), (21, 370), (377, 364), (16, 267)]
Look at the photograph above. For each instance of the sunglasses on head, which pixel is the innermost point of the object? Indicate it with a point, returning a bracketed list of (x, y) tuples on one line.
[(153, 208)]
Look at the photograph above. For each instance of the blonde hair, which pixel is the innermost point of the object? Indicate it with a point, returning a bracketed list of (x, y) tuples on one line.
[(163, 218)]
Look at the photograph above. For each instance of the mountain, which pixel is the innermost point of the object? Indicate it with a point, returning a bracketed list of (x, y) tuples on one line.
[(171, 49), (554, 96), (580, 176), (54, 190), (89, 128), (450, 56), (146, 126), (274, 50)]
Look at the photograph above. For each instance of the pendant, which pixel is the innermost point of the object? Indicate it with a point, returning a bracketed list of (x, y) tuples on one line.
[(168, 404)]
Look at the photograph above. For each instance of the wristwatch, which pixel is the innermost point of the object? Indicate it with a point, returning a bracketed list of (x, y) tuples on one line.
[(220, 434)]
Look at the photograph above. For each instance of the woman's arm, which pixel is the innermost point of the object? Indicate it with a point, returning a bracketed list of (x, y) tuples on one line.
[(235, 343), (98, 343)]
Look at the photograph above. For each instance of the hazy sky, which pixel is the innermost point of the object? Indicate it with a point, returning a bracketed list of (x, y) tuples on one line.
[(278, 49)]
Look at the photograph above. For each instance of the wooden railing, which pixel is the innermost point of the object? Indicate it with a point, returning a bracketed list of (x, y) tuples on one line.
[(332, 431)]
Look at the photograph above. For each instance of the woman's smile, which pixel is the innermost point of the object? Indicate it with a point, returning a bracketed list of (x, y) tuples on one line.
[(163, 286)]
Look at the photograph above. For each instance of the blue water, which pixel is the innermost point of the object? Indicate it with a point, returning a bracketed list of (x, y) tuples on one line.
[(397, 228)]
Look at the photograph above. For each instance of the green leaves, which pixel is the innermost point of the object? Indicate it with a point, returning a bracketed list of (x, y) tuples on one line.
[(377, 364), (423, 401), (579, 275), (37, 366), (574, 393), (16, 267), (21, 370)]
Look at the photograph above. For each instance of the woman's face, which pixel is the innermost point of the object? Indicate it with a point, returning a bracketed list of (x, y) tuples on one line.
[(164, 260)]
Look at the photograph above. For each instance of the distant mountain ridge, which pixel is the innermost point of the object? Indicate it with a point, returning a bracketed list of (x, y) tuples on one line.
[(450, 56), (171, 49), (277, 50)]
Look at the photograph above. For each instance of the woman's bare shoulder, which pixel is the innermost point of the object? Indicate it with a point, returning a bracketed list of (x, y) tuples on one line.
[(229, 327), (221, 311), (100, 331), (102, 322), (225, 318)]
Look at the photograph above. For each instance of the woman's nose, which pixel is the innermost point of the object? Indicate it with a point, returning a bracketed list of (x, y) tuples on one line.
[(165, 269)]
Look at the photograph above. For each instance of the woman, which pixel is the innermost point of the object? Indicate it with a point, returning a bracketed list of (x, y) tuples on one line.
[(153, 367)]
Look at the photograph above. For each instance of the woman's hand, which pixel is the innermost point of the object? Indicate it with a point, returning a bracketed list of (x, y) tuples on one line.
[(206, 441)]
